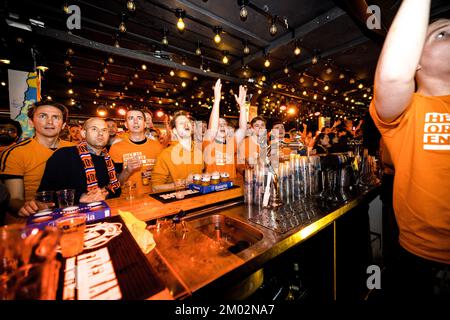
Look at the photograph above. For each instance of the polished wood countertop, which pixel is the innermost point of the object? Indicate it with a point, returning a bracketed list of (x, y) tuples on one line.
[(146, 208)]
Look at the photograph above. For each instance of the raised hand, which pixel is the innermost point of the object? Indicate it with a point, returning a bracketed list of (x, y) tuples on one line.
[(218, 90), (242, 94)]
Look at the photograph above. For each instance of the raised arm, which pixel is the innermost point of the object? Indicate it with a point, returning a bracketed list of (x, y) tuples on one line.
[(213, 125), (399, 59), (240, 133)]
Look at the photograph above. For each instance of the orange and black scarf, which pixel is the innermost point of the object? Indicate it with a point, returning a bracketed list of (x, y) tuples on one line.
[(91, 176)]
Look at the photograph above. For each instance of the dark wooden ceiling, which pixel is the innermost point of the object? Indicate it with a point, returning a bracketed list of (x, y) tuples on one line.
[(332, 31)]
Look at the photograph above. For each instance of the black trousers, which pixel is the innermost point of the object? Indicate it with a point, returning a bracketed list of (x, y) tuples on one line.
[(412, 278)]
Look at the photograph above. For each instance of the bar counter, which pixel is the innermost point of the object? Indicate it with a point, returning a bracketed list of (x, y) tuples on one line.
[(189, 261)]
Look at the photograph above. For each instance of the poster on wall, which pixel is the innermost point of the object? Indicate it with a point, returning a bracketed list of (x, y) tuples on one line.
[(24, 90)]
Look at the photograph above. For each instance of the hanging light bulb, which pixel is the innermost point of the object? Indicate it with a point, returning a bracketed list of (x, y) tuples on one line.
[(263, 78), (341, 76), (136, 75), (217, 37), (246, 48), (144, 67), (66, 7), (131, 6), (122, 27), (183, 84), (273, 27), (117, 44), (172, 73), (165, 41), (110, 60), (267, 62), (243, 12), (70, 91), (286, 70), (225, 58), (326, 88), (198, 51), (102, 111), (297, 49), (314, 60), (180, 13)]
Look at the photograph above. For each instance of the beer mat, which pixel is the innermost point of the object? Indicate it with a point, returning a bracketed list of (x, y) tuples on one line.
[(118, 269), (170, 196)]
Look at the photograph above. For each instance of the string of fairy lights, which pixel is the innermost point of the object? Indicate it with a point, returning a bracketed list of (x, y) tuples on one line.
[(309, 96)]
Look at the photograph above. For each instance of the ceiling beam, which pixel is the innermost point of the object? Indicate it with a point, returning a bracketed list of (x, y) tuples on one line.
[(127, 53), (222, 21), (299, 32), (345, 46)]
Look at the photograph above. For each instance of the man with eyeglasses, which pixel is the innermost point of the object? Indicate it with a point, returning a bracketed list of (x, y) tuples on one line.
[(10, 132), (22, 165), (87, 168), (137, 151)]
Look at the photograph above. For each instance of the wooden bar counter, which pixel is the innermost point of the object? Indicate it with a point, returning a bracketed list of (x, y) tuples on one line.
[(146, 208)]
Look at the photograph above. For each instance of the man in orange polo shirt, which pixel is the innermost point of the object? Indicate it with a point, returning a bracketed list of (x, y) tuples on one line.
[(23, 164), (220, 146), (416, 130), (136, 149)]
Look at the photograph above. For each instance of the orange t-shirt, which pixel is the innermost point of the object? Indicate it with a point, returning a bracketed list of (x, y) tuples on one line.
[(147, 152), (26, 160), (220, 157), (419, 144), (174, 162)]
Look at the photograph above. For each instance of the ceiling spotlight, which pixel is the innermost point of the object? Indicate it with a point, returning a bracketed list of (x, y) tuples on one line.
[(131, 6), (217, 31), (243, 13), (180, 13), (273, 27), (144, 67)]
